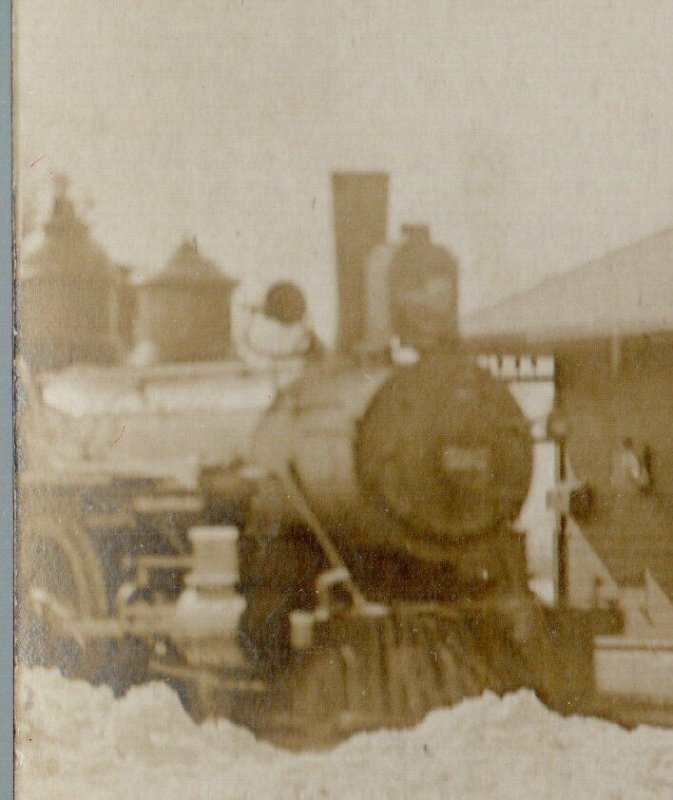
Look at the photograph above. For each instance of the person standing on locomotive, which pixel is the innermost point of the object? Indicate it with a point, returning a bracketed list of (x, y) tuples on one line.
[(280, 328)]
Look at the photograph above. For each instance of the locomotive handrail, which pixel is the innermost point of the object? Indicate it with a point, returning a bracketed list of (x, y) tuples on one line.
[(296, 496)]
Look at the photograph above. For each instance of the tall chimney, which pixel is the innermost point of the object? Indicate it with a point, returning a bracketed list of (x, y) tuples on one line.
[(360, 223)]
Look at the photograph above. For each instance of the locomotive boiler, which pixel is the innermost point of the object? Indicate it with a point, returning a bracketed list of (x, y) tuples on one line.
[(425, 463)]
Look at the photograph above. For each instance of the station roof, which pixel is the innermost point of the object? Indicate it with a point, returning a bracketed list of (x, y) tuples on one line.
[(628, 291)]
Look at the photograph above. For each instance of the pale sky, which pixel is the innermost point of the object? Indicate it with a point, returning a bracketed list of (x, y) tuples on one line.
[(531, 136)]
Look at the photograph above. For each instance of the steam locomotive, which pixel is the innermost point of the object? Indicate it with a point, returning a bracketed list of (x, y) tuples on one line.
[(359, 569), (376, 574), (381, 572)]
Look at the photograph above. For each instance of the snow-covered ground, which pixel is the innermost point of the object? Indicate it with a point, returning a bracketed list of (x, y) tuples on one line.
[(77, 741)]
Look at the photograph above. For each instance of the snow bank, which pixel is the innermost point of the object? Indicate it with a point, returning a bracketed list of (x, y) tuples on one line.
[(74, 740)]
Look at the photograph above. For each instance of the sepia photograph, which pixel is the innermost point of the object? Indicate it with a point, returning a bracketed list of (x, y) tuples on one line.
[(343, 399)]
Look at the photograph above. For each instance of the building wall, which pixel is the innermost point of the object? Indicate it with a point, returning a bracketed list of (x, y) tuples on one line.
[(606, 396)]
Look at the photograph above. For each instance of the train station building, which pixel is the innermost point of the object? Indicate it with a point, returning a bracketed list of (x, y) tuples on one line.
[(609, 326)]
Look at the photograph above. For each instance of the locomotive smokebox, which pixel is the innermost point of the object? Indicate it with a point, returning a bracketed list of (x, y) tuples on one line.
[(360, 224), (420, 459)]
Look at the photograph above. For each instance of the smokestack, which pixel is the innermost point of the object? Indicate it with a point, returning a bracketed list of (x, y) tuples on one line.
[(360, 223)]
